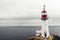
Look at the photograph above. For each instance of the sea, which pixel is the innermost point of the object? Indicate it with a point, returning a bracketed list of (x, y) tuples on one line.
[(23, 32)]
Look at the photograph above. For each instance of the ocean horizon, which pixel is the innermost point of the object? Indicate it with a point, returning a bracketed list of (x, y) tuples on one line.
[(22, 32)]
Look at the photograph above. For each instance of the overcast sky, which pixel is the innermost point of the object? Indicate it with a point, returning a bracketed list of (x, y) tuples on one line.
[(29, 8)]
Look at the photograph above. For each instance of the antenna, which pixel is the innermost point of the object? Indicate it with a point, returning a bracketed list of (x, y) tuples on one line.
[(44, 7)]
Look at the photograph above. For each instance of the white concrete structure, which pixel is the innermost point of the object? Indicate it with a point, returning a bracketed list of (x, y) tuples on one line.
[(45, 29)]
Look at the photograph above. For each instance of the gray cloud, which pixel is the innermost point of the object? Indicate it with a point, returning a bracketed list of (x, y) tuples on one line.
[(28, 8), (7, 8)]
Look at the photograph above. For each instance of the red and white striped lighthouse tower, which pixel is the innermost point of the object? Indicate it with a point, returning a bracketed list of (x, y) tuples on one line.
[(44, 26)]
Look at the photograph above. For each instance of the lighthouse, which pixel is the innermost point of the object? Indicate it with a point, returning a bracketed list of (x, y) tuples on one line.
[(44, 26), (44, 32)]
